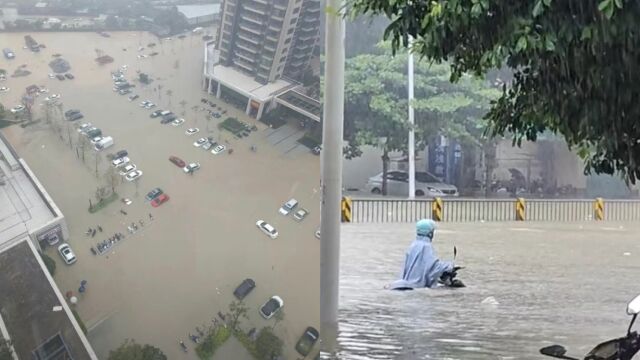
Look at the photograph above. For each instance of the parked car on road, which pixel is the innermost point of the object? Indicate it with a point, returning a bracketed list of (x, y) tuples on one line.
[(177, 122), (120, 154), (167, 119), (271, 307), (155, 114), (398, 184), (60, 77), (67, 254), (159, 200), (18, 108), (244, 289), (307, 341), (75, 116), (154, 193), (69, 76), (133, 97), (200, 142), (177, 161), (4, 89), (267, 229), (288, 207)]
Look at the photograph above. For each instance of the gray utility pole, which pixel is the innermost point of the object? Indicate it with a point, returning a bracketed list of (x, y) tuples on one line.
[(412, 145), (331, 174)]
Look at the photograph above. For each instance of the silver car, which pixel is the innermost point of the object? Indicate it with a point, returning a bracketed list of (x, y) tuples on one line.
[(398, 185)]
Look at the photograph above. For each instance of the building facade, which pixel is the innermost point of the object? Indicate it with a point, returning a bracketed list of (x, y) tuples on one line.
[(262, 38)]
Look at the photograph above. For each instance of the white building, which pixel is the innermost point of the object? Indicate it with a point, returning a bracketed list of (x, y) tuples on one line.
[(200, 14)]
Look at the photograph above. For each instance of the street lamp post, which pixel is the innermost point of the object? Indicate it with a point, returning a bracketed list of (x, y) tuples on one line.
[(331, 174), (411, 147)]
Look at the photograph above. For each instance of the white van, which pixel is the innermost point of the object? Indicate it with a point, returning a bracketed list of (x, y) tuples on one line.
[(166, 112), (105, 143)]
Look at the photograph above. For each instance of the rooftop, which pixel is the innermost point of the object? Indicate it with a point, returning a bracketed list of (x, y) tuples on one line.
[(246, 85), (193, 11), (33, 310), (301, 103), (22, 206)]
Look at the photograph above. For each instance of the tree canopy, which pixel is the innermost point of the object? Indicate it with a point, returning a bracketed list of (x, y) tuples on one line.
[(574, 65), (130, 350)]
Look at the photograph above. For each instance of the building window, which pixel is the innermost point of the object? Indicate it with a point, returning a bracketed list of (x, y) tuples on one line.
[(291, 31), (293, 21), (287, 41), (296, 10)]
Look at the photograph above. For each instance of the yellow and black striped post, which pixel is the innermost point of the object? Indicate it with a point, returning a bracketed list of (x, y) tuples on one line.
[(346, 209), (520, 209), (436, 209), (598, 208)]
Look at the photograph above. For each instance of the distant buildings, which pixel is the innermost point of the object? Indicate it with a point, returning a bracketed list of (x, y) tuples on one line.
[(200, 14)]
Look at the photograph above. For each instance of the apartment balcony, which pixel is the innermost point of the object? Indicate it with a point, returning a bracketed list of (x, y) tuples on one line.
[(280, 7), (246, 38), (242, 64), (245, 57), (250, 27), (254, 9), (265, 2), (251, 50), (253, 19)]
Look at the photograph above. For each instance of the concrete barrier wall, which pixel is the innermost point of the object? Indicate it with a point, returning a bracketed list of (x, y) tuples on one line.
[(468, 210)]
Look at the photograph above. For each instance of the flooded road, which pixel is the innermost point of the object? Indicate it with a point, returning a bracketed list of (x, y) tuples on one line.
[(181, 268), (552, 283)]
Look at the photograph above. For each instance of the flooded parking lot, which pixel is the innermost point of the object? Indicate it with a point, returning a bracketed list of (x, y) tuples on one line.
[(180, 268), (528, 285)]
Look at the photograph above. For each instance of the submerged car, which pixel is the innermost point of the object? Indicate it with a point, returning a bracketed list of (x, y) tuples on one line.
[(191, 167), (271, 307), (161, 199), (18, 108), (267, 229), (199, 142), (177, 161), (218, 149), (120, 161), (133, 175), (153, 194), (307, 341), (67, 254), (127, 169), (177, 122), (155, 114), (300, 214), (244, 289), (288, 207), (191, 131)]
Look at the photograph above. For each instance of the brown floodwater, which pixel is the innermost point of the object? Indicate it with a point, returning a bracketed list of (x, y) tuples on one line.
[(181, 268)]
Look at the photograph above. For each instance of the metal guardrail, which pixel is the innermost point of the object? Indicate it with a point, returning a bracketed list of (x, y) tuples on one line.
[(469, 210)]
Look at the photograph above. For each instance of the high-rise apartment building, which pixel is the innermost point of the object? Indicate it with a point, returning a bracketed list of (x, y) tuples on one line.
[(268, 38)]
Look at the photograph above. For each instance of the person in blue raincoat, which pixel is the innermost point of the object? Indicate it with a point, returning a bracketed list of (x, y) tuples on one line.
[(422, 268)]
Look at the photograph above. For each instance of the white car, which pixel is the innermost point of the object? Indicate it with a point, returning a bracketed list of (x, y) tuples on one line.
[(267, 229), (17, 109), (318, 233), (426, 184), (52, 76), (84, 127), (177, 122), (300, 214), (133, 175), (67, 254), (127, 169), (192, 131), (96, 139), (271, 307), (288, 207), (120, 161), (55, 96), (43, 90), (191, 167), (4, 89), (124, 67), (218, 149), (199, 142)]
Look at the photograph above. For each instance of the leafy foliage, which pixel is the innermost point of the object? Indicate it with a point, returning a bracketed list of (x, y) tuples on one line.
[(574, 66), (376, 108), (268, 345), (212, 341), (5, 350), (130, 350)]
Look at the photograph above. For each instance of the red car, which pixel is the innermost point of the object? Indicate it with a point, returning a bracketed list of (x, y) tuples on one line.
[(163, 198), (177, 161)]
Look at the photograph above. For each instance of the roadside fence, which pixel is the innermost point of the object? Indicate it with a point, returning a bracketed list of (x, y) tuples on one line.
[(469, 210)]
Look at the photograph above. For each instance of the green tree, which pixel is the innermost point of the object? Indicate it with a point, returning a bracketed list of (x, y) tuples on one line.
[(5, 349), (573, 64), (238, 310), (376, 105), (130, 350), (268, 345)]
